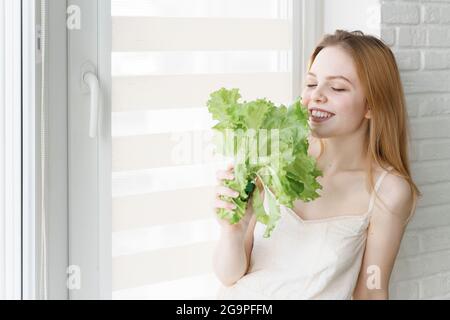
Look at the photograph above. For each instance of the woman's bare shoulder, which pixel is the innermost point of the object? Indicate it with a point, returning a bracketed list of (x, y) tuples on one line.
[(396, 193)]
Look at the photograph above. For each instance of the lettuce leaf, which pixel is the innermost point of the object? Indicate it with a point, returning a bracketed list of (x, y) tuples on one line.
[(268, 143)]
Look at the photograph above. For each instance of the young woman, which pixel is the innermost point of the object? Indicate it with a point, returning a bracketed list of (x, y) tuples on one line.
[(342, 245)]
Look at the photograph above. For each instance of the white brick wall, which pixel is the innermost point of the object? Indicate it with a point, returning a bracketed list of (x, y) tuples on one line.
[(418, 32)]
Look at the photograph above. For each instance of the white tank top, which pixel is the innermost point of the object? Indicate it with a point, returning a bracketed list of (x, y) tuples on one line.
[(305, 259)]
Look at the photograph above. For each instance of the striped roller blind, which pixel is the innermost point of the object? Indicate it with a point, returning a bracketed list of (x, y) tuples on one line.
[(168, 56)]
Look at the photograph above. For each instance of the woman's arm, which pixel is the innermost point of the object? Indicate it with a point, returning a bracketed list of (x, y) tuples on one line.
[(385, 233), (232, 254), (233, 251)]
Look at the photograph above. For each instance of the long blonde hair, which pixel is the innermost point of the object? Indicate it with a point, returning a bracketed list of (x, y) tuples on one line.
[(388, 133)]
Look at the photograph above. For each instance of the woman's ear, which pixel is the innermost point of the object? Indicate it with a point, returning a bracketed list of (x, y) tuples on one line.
[(368, 114)]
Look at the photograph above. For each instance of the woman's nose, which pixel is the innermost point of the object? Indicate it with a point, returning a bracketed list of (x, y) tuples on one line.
[(317, 95)]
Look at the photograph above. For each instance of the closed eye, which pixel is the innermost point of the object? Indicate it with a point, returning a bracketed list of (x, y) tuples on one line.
[(335, 89)]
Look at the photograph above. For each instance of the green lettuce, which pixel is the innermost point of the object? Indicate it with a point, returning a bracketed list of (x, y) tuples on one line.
[(266, 142)]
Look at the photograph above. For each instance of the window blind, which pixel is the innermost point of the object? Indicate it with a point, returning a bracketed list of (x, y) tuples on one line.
[(167, 57)]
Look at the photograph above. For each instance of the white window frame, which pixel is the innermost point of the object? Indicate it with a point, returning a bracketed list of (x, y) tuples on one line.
[(18, 154), (29, 158), (89, 163), (90, 172), (308, 28), (56, 160), (10, 150)]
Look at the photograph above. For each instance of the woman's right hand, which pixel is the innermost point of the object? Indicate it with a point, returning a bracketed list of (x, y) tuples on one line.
[(222, 190)]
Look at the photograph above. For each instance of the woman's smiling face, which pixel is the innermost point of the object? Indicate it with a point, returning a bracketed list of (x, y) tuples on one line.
[(332, 84)]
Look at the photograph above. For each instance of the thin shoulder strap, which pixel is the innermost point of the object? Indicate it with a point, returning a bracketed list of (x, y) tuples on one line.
[(377, 186)]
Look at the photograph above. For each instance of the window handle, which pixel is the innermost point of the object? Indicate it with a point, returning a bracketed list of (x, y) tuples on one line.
[(92, 82)]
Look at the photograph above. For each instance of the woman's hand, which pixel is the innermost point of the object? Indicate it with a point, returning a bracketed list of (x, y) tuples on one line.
[(222, 190)]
